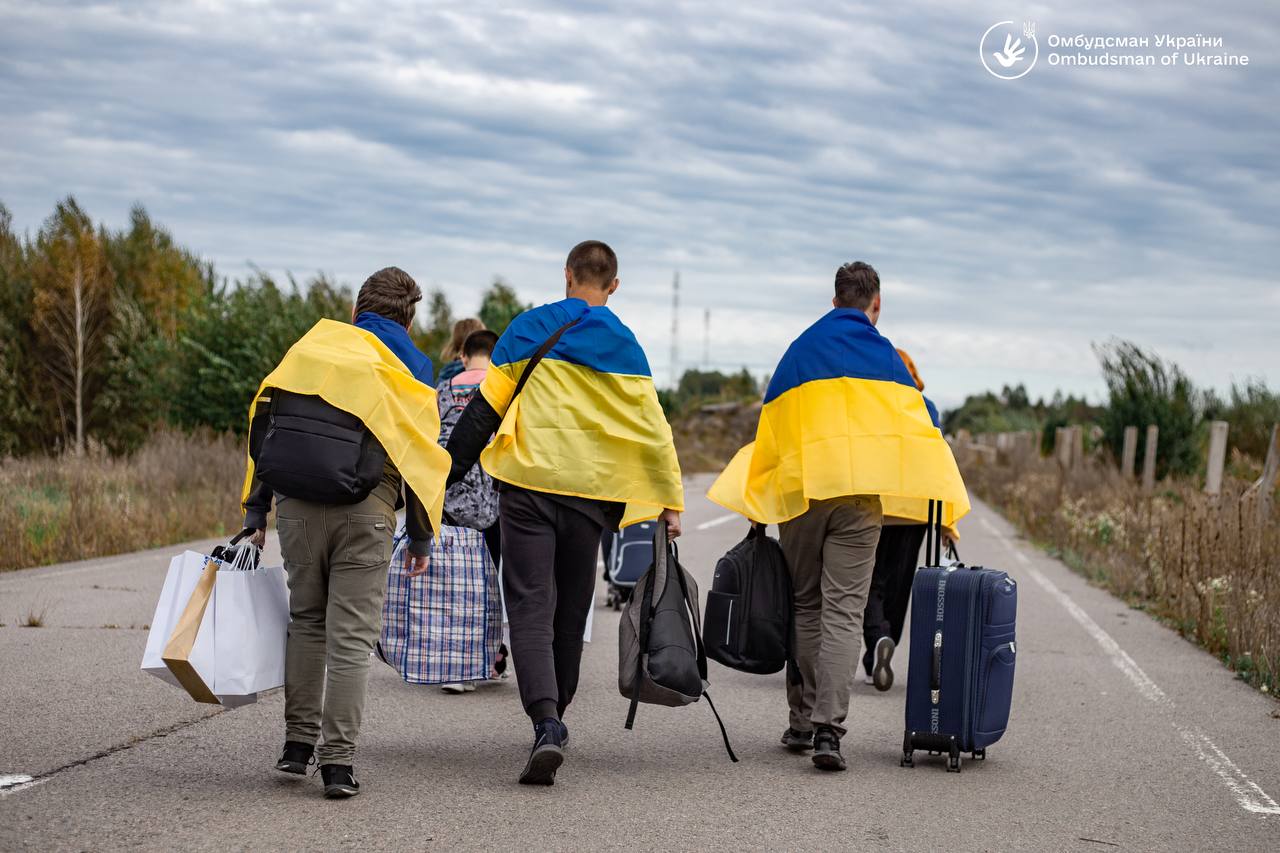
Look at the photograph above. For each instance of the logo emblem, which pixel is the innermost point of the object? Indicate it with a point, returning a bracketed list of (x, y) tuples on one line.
[(1004, 52)]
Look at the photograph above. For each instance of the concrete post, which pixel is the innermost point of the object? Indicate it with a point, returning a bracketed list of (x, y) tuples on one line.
[(1217, 457), (1077, 447), (1129, 457), (1149, 459)]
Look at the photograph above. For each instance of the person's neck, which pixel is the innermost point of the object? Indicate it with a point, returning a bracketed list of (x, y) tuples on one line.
[(593, 296), (477, 362)]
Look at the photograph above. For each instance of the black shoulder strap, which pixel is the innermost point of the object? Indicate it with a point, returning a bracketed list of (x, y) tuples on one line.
[(673, 555), (539, 355)]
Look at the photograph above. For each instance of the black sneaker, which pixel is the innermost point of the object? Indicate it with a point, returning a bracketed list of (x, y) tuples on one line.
[(547, 754), (826, 750), (882, 674), (797, 741), (296, 757), (564, 735), (339, 781)]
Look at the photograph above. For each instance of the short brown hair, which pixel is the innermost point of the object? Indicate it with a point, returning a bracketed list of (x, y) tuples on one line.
[(593, 262), (391, 293), (857, 285)]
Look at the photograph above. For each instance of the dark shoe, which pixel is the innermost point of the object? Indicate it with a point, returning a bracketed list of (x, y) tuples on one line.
[(547, 754), (297, 756), (826, 750), (797, 741), (882, 674), (339, 781), (564, 735)]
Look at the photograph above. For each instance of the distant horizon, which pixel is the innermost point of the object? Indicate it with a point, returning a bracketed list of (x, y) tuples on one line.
[(1014, 222)]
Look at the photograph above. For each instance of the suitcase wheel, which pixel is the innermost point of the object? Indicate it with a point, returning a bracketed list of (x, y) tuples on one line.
[(979, 755), (953, 758), (908, 752)]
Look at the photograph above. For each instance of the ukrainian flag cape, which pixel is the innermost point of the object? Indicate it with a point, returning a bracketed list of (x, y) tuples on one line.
[(351, 369), (842, 416), (588, 422)]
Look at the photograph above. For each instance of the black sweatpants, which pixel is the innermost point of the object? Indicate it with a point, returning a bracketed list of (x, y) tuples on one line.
[(548, 575), (897, 557)]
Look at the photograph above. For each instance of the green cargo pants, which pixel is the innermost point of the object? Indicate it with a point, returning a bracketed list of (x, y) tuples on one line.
[(336, 558)]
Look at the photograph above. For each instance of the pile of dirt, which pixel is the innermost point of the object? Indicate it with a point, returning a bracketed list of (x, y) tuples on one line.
[(707, 438)]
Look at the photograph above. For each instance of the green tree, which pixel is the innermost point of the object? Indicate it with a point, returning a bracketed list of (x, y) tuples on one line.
[(1251, 409), (1142, 389), (500, 305), (163, 279), (237, 336), (435, 328), (19, 419)]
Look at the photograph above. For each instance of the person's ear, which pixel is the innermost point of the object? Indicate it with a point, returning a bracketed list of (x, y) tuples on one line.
[(613, 287), (568, 279), (353, 315)]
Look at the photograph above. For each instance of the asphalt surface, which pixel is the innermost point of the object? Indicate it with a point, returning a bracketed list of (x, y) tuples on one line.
[(1123, 736)]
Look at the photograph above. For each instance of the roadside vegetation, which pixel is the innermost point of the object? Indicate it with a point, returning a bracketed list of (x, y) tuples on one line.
[(1207, 565), (126, 369)]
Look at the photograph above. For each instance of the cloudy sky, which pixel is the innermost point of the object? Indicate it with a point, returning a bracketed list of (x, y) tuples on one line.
[(752, 147)]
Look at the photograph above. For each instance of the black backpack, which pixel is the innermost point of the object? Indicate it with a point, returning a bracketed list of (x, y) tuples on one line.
[(313, 451), (748, 625), (661, 659)]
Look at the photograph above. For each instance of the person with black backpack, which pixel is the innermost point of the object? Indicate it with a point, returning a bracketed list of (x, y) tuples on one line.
[(345, 422), (580, 443)]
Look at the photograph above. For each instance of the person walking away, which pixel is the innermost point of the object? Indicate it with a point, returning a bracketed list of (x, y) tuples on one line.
[(842, 427), (897, 557), (338, 430), (474, 500), (582, 446), (451, 354)]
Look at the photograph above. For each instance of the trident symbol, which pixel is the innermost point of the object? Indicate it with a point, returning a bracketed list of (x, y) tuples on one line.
[(1029, 29)]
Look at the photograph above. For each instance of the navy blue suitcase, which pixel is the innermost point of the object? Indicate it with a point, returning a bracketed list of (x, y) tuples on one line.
[(960, 675)]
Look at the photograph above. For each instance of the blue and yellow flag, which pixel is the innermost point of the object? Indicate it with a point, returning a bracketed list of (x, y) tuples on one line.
[(842, 416), (588, 422), (352, 369)]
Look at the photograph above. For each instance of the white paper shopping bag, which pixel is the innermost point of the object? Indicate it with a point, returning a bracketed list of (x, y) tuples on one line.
[(220, 629), (250, 629)]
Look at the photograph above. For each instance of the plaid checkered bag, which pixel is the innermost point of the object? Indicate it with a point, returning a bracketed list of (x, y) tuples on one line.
[(445, 626)]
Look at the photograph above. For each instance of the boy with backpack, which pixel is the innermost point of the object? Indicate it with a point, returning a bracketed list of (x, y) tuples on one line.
[(344, 422)]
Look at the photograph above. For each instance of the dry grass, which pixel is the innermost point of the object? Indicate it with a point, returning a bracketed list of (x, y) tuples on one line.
[(176, 488), (1210, 567), (34, 618)]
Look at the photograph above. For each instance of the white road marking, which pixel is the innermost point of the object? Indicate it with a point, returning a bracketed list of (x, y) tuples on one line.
[(30, 575), (716, 522), (1247, 793), (14, 782)]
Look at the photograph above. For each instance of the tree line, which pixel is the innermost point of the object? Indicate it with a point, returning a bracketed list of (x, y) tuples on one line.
[(106, 334), (1142, 389)]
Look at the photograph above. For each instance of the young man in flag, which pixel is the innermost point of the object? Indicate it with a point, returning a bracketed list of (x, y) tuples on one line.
[(843, 429), (345, 420), (581, 446)]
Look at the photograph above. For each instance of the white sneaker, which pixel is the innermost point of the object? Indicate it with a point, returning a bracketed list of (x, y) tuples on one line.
[(458, 687), (866, 678)]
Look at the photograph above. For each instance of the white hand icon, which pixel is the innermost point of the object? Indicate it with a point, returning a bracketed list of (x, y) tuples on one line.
[(1012, 51)]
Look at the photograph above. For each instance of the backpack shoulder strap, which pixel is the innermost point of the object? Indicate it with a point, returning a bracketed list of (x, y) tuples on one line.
[(691, 602), (540, 354)]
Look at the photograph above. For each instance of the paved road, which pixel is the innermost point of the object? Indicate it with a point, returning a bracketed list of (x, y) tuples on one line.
[(1123, 736)]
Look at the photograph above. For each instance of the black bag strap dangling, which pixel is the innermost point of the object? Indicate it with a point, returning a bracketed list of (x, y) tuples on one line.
[(700, 650)]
